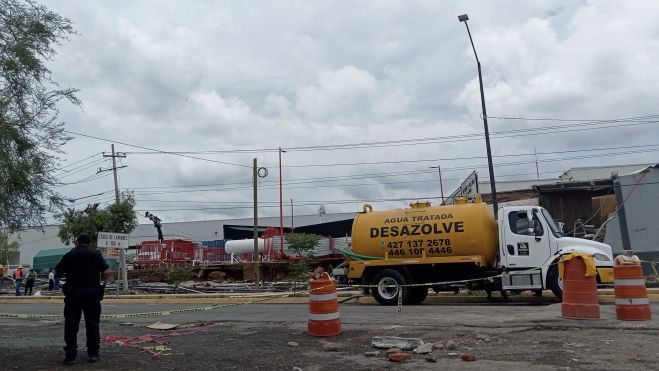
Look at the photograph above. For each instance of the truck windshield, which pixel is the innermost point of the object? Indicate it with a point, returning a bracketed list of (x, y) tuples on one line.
[(552, 224)]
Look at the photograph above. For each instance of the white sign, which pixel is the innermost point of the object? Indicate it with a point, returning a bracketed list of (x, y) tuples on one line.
[(112, 240), (468, 188)]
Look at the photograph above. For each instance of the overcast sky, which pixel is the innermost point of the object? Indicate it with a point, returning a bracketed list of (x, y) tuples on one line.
[(240, 76)]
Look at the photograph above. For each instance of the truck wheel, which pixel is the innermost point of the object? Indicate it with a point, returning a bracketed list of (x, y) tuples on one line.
[(388, 288), (417, 295), (554, 283)]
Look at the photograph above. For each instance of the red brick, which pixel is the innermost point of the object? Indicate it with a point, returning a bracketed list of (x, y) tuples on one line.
[(398, 357)]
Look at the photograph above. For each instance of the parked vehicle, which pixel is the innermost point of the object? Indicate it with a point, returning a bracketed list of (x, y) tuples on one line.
[(424, 244)]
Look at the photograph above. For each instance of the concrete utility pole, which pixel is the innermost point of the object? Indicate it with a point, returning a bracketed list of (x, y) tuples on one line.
[(122, 251), (257, 278)]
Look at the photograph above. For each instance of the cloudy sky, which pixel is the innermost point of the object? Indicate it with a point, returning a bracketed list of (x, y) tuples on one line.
[(365, 96)]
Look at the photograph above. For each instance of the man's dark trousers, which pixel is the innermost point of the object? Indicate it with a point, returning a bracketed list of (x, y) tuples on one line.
[(74, 307)]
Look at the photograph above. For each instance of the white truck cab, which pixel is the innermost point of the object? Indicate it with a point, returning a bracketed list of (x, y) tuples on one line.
[(530, 245)]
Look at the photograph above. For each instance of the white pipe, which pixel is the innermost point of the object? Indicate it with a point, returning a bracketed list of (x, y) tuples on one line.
[(243, 246)]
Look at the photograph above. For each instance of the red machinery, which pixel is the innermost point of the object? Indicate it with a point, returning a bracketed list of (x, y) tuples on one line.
[(169, 253)]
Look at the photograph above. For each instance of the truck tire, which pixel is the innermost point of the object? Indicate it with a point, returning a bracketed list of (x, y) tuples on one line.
[(417, 295), (385, 293), (554, 283)]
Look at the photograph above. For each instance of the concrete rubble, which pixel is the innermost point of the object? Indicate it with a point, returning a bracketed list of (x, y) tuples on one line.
[(423, 349), (386, 342)]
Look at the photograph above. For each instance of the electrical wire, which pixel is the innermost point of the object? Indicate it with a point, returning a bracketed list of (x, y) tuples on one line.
[(155, 150), (469, 158), (76, 162), (82, 168), (582, 124)]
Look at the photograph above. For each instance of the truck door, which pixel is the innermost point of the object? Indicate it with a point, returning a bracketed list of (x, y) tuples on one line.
[(526, 239)]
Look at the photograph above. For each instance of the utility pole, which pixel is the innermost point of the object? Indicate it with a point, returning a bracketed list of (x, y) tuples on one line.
[(537, 170), (495, 205), (257, 279), (292, 225), (281, 206), (441, 184), (122, 251)]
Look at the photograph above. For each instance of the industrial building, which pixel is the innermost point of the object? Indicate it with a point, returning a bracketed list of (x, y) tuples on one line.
[(32, 241)]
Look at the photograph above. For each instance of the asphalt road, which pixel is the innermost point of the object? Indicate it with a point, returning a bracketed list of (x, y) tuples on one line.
[(485, 315), (255, 336)]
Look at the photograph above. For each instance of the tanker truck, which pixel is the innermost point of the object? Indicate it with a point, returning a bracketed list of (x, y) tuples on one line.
[(461, 245)]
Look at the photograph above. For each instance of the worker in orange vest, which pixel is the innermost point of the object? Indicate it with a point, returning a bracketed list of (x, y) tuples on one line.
[(18, 279)]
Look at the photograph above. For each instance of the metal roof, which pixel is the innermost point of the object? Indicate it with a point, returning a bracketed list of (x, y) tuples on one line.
[(578, 174)]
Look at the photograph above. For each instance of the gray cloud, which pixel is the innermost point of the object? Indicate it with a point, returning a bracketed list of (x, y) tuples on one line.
[(204, 76)]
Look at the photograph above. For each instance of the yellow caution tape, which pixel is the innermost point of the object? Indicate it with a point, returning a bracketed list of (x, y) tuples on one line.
[(142, 314)]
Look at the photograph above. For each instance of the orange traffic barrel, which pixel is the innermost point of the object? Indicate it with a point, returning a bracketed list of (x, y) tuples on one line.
[(632, 303), (580, 300), (324, 319)]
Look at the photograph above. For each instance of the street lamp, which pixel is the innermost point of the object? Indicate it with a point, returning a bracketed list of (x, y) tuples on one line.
[(495, 206), (441, 184), (281, 206)]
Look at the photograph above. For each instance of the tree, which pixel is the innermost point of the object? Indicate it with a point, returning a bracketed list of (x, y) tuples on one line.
[(31, 134), (7, 250), (175, 276), (303, 244), (118, 218)]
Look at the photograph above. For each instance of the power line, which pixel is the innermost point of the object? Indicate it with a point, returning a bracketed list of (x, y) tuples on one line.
[(310, 203), (633, 118), (290, 184), (468, 158), (155, 150), (74, 163), (82, 168), (575, 125), (90, 178)]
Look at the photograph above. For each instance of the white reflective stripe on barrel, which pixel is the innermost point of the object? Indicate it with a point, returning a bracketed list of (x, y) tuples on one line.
[(633, 301), (323, 317), (629, 282), (322, 297)]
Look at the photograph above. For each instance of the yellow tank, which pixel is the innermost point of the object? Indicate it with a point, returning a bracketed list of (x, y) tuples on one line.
[(454, 230)]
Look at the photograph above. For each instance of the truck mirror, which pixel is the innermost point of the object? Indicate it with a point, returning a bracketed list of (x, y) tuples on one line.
[(561, 226), (531, 222)]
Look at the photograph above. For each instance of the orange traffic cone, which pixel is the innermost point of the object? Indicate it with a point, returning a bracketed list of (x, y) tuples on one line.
[(580, 300), (632, 303), (324, 319)]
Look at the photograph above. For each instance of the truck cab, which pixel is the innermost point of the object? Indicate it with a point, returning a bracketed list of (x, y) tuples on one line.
[(531, 244)]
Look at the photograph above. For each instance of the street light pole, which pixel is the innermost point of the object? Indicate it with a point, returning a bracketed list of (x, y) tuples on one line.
[(441, 184), (281, 206), (292, 225), (495, 206)]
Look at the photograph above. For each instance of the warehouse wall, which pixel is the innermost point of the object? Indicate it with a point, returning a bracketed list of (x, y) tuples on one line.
[(641, 209)]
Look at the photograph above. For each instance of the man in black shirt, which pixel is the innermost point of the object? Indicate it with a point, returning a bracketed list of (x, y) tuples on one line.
[(83, 268)]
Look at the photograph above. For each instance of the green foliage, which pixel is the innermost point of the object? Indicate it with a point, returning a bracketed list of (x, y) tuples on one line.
[(117, 218), (298, 270), (302, 243), (177, 275), (31, 136), (7, 250)]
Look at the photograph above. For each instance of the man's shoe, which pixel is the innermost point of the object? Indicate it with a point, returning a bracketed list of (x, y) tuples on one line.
[(93, 359), (69, 356)]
